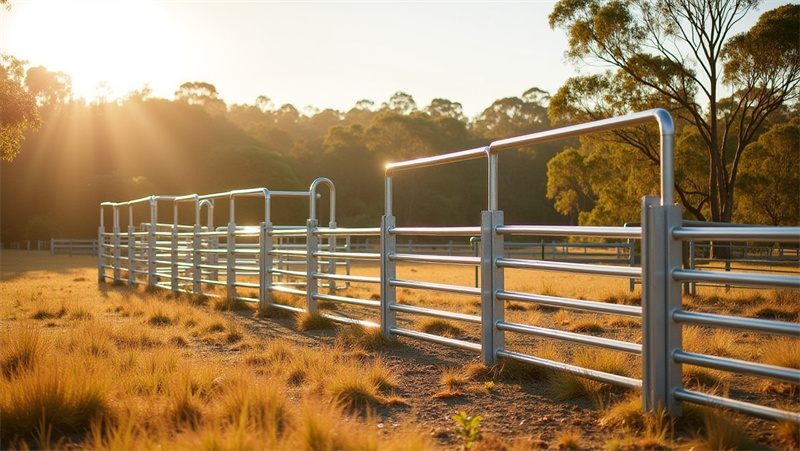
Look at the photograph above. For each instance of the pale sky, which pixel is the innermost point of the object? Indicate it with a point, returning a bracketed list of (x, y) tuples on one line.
[(320, 54)]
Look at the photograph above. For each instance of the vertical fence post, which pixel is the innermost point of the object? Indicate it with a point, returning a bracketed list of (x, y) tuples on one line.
[(692, 256), (101, 231), (492, 280), (632, 257), (230, 255), (117, 245), (312, 264), (331, 260), (131, 255), (661, 295), (197, 259), (52, 248), (152, 254), (388, 273), (265, 266), (174, 273)]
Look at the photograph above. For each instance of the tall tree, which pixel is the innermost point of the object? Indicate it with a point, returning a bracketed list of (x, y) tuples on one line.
[(203, 94), (50, 88), (680, 54), (512, 116), (18, 111)]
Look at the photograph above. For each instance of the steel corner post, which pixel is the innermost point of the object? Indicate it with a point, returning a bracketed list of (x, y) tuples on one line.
[(312, 263), (661, 296), (388, 274), (492, 281)]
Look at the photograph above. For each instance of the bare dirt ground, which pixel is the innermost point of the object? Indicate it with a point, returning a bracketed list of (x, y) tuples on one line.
[(520, 413)]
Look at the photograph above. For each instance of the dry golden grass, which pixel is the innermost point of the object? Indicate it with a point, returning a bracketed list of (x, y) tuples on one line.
[(152, 388), (102, 367)]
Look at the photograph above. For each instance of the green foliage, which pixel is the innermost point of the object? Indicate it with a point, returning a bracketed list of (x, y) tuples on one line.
[(761, 70), (18, 111), (468, 428), (770, 177)]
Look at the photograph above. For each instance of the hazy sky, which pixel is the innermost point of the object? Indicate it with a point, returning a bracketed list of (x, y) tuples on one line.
[(322, 54)]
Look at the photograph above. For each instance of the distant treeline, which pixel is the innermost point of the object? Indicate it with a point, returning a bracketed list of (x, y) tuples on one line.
[(84, 154)]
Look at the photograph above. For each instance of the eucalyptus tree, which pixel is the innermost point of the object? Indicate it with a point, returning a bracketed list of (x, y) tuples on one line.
[(683, 55), (18, 111)]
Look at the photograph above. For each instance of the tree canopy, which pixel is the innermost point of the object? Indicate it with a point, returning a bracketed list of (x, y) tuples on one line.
[(681, 55), (18, 111)]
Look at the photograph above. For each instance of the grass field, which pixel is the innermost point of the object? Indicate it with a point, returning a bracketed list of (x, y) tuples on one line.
[(88, 365)]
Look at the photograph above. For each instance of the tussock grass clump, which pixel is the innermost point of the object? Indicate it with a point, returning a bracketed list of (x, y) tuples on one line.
[(721, 430), (227, 304), (56, 395), (568, 386), (587, 325), (49, 313), (307, 321), (644, 430), (569, 439), (21, 348), (784, 352), (453, 378), (367, 338), (258, 404), (380, 375), (624, 298), (788, 432), (272, 311), (438, 326), (348, 388), (158, 318)]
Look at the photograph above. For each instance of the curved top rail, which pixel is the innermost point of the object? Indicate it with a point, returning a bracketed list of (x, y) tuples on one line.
[(312, 192), (659, 115), (463, 155)]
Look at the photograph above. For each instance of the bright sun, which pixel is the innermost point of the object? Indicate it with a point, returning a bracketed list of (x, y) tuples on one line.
[(108, 47)]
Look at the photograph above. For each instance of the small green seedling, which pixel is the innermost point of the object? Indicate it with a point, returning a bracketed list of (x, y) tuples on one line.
[(489, 386), (468, 428)]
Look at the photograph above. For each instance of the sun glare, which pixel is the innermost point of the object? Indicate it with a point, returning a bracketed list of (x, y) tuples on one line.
[(107, 47)]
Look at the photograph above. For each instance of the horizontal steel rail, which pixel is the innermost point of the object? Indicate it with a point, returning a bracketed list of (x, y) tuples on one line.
[(783, 234), (571, 304), (452, 342), (435, 313), (755, 410), (581, 231), (288, 272), (349, 255), (588, 340), (436, 160), (346, 277), (346, 300), (366, 231), (442, 287), (575, 268), (435, 231), (422, 258), (600, 376), (773, 372), (738, 278), (737, 322)]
